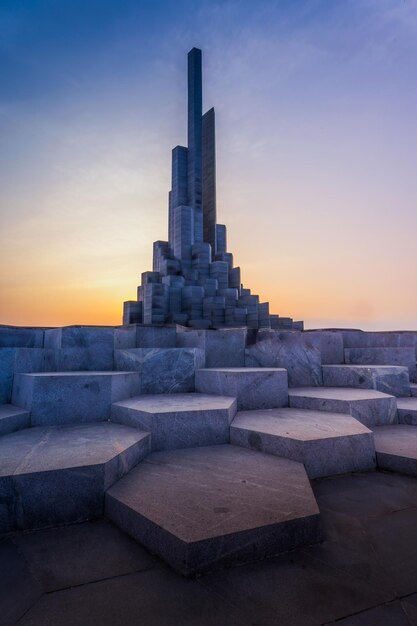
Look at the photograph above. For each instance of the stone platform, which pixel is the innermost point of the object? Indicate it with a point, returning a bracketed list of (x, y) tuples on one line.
[(326, 443), (58, 474), (396, 448), (203, 508), (178, 420)]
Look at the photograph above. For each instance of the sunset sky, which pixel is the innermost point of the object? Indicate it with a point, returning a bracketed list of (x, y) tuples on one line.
[(316, 105)]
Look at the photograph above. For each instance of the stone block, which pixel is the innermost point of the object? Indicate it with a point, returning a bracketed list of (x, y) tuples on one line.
[(162, 370), (223, 348), (326, 443), (202, 508), (370, 407), (72, 397), (396, 448), (57, 475), (155, 337), (393, 380), (383, 356), (330, 344), (254, 388), (291, 350), (13, 418), (17, 360), (97, 337), (15, 337), (407, 411), (180, 420), (384, 339)]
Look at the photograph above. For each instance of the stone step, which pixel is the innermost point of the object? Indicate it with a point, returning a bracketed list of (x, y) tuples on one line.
[(162, 370), (202, 508), (405, 356), (407, 411), (326, 443), (178, 420), (396, 448), (52, 475), (393, 380), (72, 397), (254, 387), (372, 408), (13, 418), (413, 389)]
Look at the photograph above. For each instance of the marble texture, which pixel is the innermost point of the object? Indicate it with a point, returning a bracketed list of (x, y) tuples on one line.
[(162, 370), (208, 507), (326, 443), (254, 388), (330, 344), (407, 411), (298, 354), (13, 418), (72, 397), (393, 380), (223, 348), (372, 408), (378, 339), (58, 474), (396, 448), (405, 356), (178, 420)]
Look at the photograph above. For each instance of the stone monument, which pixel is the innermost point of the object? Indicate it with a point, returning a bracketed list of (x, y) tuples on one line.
[(193, 281)]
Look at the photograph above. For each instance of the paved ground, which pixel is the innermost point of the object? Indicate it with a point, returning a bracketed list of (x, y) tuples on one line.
[(363, 574)]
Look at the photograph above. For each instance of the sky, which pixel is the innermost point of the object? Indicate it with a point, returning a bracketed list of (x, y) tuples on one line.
[(316, 120)]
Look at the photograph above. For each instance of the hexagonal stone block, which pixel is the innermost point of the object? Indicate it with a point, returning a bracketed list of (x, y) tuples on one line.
[(180, 420), (389, 379), (254, 387), (407, 411), (396, 448), (372, 408), (202, 508), (326, 443), (58, 474)]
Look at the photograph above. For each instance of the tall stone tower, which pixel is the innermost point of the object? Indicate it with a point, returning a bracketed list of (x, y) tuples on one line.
[(193, 280)]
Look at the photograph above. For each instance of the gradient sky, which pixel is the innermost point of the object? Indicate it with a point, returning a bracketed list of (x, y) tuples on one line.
[(316, 106)]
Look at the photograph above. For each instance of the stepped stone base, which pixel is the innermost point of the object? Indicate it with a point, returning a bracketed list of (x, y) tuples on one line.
[(58, 474), (370, 407), (326, 443), (205, 507), (254, 387), (179, 420), (72, 397), (393, 380), (407, 411), (162, 370), (396, 448), (13, 418)]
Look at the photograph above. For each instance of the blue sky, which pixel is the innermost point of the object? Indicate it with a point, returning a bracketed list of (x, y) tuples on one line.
[(316, 146)]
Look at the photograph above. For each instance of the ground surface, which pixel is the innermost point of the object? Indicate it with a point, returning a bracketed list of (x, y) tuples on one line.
[(363, 574)]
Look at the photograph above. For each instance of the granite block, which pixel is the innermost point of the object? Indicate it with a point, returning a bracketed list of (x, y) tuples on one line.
[(407, 411), (79, 337), (396, 448), (326, 443), (162, 370), (17, 360), (58, 474), (254, 388), (13, 418), (180, 420), (330, 344), (14, 337), (72, 397), (298, 354), (208, 507), (405, 356), (393, 380), (372, 408)]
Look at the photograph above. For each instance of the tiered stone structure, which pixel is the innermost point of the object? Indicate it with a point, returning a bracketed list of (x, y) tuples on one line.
[(193, 280)]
